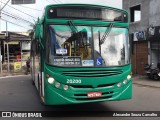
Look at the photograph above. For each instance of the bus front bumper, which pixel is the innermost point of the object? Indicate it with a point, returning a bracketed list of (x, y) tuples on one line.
[(55, 97)]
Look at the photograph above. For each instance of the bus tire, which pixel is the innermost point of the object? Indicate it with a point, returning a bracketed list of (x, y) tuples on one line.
[(41, 101), (39, 91), (38, 84)]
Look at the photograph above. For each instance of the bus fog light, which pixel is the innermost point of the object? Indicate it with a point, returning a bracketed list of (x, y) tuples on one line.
[(125, 82), (47, 75), (65, 87), (57, 85), (129, 77), (119, 84), (51, 80)]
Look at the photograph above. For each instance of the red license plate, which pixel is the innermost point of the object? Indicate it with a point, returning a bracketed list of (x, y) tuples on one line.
[(94, 94)]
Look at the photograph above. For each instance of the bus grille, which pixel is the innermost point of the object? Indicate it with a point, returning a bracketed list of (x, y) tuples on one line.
[(92, 73), (107, 97), (90, 86)]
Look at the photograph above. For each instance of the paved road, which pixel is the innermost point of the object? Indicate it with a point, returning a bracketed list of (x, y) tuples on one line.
[(18, 94)]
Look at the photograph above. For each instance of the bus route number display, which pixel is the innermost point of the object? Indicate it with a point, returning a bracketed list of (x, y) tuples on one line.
[(79, 12), (67, 61)]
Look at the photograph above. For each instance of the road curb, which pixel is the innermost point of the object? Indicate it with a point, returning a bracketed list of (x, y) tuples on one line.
[(146, 85)]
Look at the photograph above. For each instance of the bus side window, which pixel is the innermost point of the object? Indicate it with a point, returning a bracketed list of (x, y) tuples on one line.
[(37, 55), (37, 48)]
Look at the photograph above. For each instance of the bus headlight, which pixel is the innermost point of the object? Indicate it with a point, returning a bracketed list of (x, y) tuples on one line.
[(119, 84), (65, 87), (51, 80), (57, 84), (128, 77), (125, 82)]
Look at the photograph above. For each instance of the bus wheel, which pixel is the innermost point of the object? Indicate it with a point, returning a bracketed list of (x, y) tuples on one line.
[(42, 101), (40, 92), (38, 84)]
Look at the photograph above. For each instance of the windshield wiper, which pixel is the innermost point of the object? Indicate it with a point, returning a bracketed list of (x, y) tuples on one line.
[(105, 35), (80, 35)]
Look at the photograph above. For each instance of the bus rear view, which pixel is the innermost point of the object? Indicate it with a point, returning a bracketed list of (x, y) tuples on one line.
[(84, 55)]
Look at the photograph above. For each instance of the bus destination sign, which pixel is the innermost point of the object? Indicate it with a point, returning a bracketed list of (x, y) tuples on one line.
[(87, 13), (67, 61)]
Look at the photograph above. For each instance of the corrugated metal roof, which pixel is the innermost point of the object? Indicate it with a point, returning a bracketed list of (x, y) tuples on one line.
[(13, 36)]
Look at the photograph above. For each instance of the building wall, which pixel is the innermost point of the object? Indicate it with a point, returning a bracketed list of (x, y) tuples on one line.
[(140, 48), (143, 24), (154, 20), (150, 10), (154, 13), (150, 17)]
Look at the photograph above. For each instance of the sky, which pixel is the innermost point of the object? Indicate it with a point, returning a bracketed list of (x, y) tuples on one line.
[(20, 17)]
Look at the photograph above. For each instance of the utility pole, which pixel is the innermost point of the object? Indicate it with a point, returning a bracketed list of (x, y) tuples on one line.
[(7, 50), (0, 41)]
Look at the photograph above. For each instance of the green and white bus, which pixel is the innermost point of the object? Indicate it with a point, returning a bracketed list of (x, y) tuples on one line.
[(81, 54)]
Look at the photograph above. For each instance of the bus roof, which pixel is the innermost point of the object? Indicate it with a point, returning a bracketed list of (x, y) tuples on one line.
[(93, 5), (83, 5)]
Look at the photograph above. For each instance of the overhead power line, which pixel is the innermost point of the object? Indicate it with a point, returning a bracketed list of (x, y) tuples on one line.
[(55, 1), (59, 1), (16, 17), (9, 15), (4, 5), (14, 23), (30, 8), (48, 1), (19, 10)]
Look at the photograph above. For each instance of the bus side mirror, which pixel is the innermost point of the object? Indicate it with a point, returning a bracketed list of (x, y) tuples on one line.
[(37, 33)]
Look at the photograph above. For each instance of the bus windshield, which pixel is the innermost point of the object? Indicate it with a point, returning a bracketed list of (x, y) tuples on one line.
[(87, 46)]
